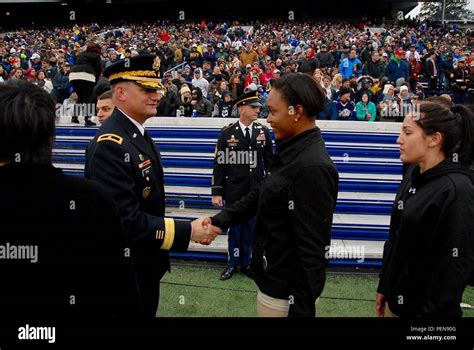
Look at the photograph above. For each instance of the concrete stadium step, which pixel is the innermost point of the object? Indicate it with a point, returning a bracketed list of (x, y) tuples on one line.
[(334, 149), (343, 207), (208, 172), (347, 164), (366, 155), (347, 202), (206, 192), (339, 219), (353, 182), (367, 221), (197, 131), (162, 142), (354, 228), (338, 248), (194, 197), (210, 156)]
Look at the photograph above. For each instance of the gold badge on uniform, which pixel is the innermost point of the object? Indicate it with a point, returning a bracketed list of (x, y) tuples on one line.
[(146, 192), (142, 158)]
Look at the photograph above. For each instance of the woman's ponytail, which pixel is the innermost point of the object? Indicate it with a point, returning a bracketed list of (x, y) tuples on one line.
[(465, 118)]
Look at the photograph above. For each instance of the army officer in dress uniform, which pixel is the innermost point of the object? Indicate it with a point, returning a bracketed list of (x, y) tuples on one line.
[(124, 160), (242, 157)]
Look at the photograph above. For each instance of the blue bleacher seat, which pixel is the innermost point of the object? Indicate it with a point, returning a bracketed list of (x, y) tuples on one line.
[(367, 160)]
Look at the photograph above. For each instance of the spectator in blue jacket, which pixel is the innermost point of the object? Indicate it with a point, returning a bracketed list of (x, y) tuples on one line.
[(344, 108), (446, 67), (329, 108), (350, 65), (61, 83), (397, 67)]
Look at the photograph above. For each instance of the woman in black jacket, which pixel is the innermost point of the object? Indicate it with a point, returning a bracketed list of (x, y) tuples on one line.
[(294, 206), (429, 255)]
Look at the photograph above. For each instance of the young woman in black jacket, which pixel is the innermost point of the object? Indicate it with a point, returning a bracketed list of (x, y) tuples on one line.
[(294, 205), (429, 255)]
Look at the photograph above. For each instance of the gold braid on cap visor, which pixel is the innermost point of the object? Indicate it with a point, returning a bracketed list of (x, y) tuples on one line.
[(134, 73), (154, 85), (138, 76), (254, 98)]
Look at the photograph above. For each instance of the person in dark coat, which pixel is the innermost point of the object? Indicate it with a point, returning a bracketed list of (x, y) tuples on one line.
[(366, 53), (60, 83), (200, 104), (224, 106), (460, 82), (325, 58), (169, 103), (75, 265), (294, 204), (242, 157), (374, 67), (397, 67), (309, 63), (168, 57), (429, 255), (327, 112), (124, 160), (85, 73)]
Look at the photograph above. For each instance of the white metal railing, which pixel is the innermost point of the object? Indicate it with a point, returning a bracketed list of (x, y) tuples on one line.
[(174, 70)]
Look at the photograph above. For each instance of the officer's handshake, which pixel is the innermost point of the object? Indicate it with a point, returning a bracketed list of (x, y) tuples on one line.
[(203, 232)]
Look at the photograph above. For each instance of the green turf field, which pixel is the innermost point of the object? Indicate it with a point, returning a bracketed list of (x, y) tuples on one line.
[(193, 289)]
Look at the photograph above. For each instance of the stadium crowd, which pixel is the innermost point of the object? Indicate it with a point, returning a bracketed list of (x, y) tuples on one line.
[(368, 73), (328, 71)]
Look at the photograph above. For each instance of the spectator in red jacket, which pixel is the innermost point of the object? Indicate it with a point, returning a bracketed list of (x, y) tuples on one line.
[(255, 72), (415, 69)]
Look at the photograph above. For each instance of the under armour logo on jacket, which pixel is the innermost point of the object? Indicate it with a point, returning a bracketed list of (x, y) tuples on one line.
[(412, 190)]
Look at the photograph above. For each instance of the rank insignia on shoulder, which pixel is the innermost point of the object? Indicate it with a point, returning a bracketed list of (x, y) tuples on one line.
[(146, 192), (227, 126), (110, 137)]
